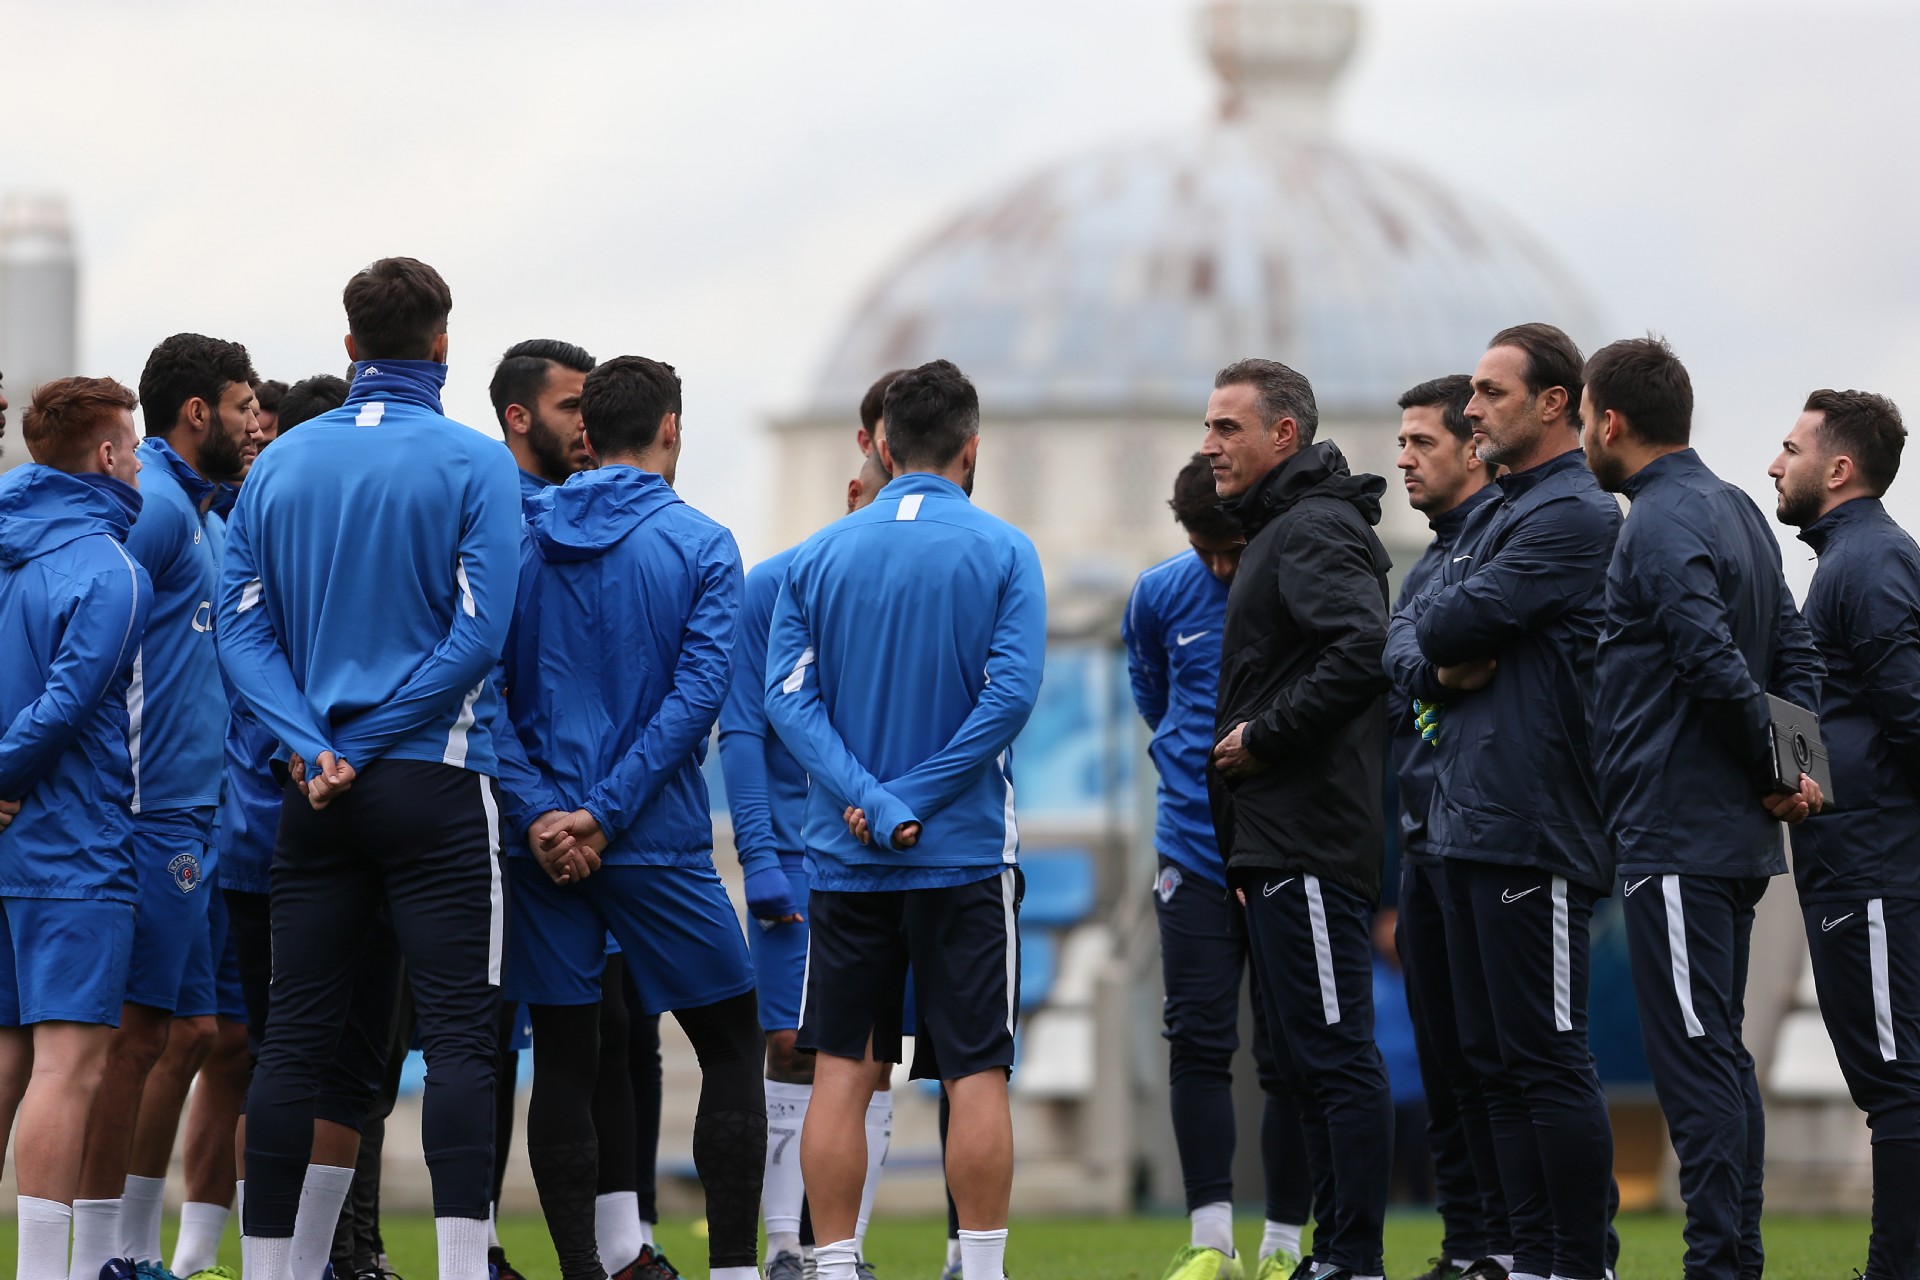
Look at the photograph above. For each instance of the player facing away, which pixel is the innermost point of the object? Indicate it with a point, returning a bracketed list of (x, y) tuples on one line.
[(616, 666), (73, 606), (905, 655), (767, 797), (364, 604), (1172, 631)]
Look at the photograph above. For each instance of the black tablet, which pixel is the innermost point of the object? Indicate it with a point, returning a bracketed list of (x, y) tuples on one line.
[(1797, 747)]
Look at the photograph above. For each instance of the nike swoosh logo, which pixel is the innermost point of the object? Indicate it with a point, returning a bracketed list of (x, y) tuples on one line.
[(1272, 889), (1458, 559), (1510, 896), (1184, 641), (1827, 926), (1636, 884)]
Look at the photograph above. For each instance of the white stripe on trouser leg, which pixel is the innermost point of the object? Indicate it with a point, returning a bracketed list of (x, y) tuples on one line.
[(496, 904), (806, 976), (1013, 946), (1562, 959), (1677, 955), (1322, 951), (1882, 988)]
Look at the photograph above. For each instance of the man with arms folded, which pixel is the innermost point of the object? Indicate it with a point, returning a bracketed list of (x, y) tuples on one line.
[(904, 657), (1699, 628), (363, 606), (1498, 653), (1857, 863), (73, 605), (1301, 726)]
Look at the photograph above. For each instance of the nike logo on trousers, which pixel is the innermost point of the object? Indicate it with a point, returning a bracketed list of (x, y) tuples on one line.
[(1269, 890), (1636, 884), (1827, 926), (1509, 895)]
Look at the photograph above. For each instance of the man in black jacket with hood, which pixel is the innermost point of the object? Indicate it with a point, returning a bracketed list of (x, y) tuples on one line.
[(1302, 726)]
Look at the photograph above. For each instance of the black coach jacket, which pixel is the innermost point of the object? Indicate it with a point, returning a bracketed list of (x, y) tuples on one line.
[(1301, 666)]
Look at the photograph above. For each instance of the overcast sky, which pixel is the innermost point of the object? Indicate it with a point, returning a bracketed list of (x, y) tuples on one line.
[(714, 183)]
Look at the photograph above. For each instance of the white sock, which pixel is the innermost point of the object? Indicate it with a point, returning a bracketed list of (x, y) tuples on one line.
[(493, 1227), (983, 1254), (835, 1261), (201, 1226), (1523, 1275), (264, 1257), (646, 1233), (1284, 1237), (616, 1229), (734, 1273), (783, 1190), (1212, 1227), (879, 1138), (953, 1250), (463, 1248), (1505, 1260), (44, 1228), (140, 1218), (321, 1196), (96, 1237)]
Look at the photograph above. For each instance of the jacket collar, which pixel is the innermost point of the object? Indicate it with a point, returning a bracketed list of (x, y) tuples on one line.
[(1281, 487), (198, 488), (924, 482), (1851, 512), (1681, 462), (1517, 485), (1446, 526), (408, 381)]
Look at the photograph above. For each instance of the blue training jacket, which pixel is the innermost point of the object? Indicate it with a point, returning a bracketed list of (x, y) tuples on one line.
[(176, 705), (766, 785), (905, 656), (619, 658), (1172, 630), (369, 578), (1699, 628), (1413, 760), (1864, 612), (73, 605), (1513, 768), (531, 487), (250, 807)]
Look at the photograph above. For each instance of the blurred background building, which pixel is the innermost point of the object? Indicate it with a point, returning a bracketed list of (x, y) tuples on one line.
[(39, 313)]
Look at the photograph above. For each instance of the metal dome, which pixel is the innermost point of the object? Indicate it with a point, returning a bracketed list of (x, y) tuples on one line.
[(1119, 282)]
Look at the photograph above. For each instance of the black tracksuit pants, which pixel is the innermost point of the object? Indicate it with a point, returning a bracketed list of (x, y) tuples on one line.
[(1866, 967), (1312, 947), (1688, 939), (1518, 945), (424, 839), (1203, 953), (1473, 1210)]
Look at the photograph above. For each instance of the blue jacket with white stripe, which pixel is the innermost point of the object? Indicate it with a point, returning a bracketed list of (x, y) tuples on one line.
[(1699, 628), (1864, 612), (370, 569), (1172, 631), (766, 787), (619, 658), (73, 605), (905, 656)]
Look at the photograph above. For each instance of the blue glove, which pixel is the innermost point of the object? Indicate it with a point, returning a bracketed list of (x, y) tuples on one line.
[(770, 894)]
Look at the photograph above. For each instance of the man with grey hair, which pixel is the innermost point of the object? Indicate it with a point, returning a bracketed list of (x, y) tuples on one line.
[(1301, 725)]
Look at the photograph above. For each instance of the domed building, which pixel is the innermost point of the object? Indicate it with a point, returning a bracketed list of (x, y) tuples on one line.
[(1092, 302)]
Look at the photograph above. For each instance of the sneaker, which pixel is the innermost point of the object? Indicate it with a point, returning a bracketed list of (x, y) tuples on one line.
[(785, 1266), (1280, 1265), (216, 1273), (501, 1269), (156, 1271), (951, 1271), (650, 1265), (1196, 1263), (1442, 1269), (864, 1270), (1485, 1269)]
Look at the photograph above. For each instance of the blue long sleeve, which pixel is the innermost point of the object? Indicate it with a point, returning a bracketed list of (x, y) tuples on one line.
[(1146, 646), (253, 657)]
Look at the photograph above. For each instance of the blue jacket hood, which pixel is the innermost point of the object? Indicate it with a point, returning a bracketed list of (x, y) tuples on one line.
[(42, 510), (585, 517)]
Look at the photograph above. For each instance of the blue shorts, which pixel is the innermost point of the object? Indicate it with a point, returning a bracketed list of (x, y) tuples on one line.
[(780, 963), (63, 960), (675, 925), (172, 967), (229, 999)]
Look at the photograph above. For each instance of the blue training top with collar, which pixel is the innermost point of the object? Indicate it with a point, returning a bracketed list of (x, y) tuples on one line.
[(369, 578), (1172, 631), (766, 785), (905, 656)]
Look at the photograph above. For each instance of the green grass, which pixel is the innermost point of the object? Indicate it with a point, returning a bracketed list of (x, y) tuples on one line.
[(1129, 1249)]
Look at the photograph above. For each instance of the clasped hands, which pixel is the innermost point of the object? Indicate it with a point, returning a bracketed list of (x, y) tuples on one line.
[(567, 845), (330, 777), (905, 836)]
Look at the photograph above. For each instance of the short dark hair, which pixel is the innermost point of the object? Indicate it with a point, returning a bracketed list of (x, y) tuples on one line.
[(309, 398), (931, 413), (521, 375), (1552, 360), (189, 366), (69, 416), (1644, 382), (267, 394), (1450, 394), (624, 401), (1196, 506), (396, 307), (872, 403), (1284, 393), (1865, 427)]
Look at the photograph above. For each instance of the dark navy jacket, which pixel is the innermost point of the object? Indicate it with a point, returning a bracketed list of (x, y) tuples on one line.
[(1513, 769), (1412, 758), (1699, 627), (1864, 612)]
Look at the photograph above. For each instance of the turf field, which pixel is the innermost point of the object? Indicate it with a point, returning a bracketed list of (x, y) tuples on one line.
[(1131, 1249)]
